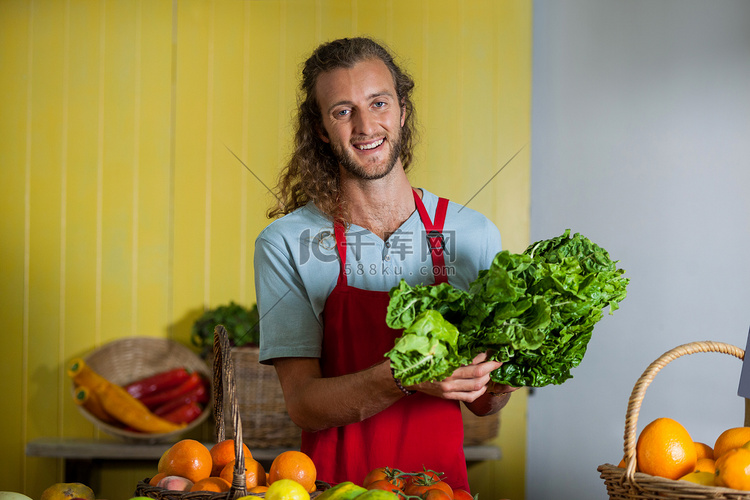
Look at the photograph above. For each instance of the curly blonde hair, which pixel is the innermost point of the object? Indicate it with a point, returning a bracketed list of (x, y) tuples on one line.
[(312, 172)]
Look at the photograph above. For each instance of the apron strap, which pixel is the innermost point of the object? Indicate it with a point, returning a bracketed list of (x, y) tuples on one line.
[(339, 233), (434, 235), (435, 239)]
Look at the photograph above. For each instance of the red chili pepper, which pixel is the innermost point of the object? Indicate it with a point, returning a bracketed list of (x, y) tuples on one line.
[(159, 382), (184, 414), (199, 395), (156, 399)]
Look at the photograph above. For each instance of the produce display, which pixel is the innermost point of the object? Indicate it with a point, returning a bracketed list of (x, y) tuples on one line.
[(534, 312), (161, 403), (664, 448), (189, 466)]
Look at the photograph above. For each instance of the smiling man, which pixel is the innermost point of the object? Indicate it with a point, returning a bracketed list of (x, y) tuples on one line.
[(351, 228), (363, 118)]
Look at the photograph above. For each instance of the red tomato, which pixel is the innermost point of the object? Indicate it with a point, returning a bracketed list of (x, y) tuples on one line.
[(383, 484), (393, 476), (435, 494), (423, 476), (459, 494), (421, 485)]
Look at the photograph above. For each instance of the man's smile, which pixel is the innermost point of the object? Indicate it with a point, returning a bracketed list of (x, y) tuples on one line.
[(370, 145)]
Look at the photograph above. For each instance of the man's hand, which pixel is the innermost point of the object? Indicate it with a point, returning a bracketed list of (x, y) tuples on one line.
[(467, 383)]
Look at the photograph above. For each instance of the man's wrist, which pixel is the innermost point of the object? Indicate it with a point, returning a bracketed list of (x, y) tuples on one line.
[(407, 392), (498, 394), (491, 390)]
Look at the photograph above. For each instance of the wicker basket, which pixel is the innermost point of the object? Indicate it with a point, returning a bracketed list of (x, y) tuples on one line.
[(126, 360), (223, 385), (265, 421), (479, 430), (625, 483)]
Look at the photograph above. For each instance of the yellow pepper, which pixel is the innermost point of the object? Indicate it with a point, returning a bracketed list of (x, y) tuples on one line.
[(83, 396), (117, 402)]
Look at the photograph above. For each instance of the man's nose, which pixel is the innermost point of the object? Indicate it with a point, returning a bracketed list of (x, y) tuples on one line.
[(365, 123)]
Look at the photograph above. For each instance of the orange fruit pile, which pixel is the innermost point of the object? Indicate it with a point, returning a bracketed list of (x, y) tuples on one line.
[(189, 465), (665, 448)]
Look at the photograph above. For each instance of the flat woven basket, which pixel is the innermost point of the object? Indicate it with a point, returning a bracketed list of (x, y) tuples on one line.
[(129, 359), (223, 384), (626, 483)]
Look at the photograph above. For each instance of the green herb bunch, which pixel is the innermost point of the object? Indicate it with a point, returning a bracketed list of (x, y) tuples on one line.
[(535, 312), (241, 323)]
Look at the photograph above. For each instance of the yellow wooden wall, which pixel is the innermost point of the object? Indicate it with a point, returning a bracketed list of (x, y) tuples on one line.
[(125, 211)]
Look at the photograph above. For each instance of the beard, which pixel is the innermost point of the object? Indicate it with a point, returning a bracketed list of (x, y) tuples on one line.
[(350, 164)]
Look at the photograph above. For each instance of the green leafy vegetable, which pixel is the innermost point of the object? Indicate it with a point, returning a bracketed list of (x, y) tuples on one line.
[(534, 311), (427, 349), (240, 322)]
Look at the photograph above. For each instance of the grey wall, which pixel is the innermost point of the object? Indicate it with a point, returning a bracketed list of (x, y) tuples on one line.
[(641, 141)]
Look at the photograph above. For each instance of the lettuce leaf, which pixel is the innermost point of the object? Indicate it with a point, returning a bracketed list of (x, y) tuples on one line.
[(534, 311), (426, 350)]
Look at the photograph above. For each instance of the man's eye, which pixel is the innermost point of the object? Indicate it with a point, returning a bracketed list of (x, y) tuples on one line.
[(343, 112), (379, 104)]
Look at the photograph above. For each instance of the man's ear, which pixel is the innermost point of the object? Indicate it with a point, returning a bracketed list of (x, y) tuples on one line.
[(403, 113), (322, 133)]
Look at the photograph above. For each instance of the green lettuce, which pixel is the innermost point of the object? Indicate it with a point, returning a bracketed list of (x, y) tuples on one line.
[(427, 349), (535, 312)]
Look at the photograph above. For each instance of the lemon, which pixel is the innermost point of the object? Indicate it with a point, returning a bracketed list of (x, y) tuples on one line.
[(699, 477), (286, 489)]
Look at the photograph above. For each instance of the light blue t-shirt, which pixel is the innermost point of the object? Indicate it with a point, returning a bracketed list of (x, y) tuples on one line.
[(297, 266)]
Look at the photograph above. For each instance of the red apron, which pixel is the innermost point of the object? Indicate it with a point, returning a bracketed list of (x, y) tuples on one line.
[(416, 431)]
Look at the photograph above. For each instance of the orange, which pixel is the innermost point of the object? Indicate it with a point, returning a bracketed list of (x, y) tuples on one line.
[(665, 449), (255, 474), (705, 465), (296, 466), (157, 477), (702, 450), (187, 458), (731, 438), (222, 453), (211, 484), (733, 469), (258, 489)]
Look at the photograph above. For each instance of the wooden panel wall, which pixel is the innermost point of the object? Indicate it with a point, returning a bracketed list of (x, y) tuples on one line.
[(126, 212)]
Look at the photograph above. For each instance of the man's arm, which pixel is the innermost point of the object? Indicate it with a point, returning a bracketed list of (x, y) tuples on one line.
[(315, 403)]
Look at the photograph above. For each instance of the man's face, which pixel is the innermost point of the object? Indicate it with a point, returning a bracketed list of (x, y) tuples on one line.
[(362, 118)]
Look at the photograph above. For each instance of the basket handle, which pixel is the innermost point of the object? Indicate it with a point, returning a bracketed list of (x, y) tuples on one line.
[(224, 376), (639, 391)]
